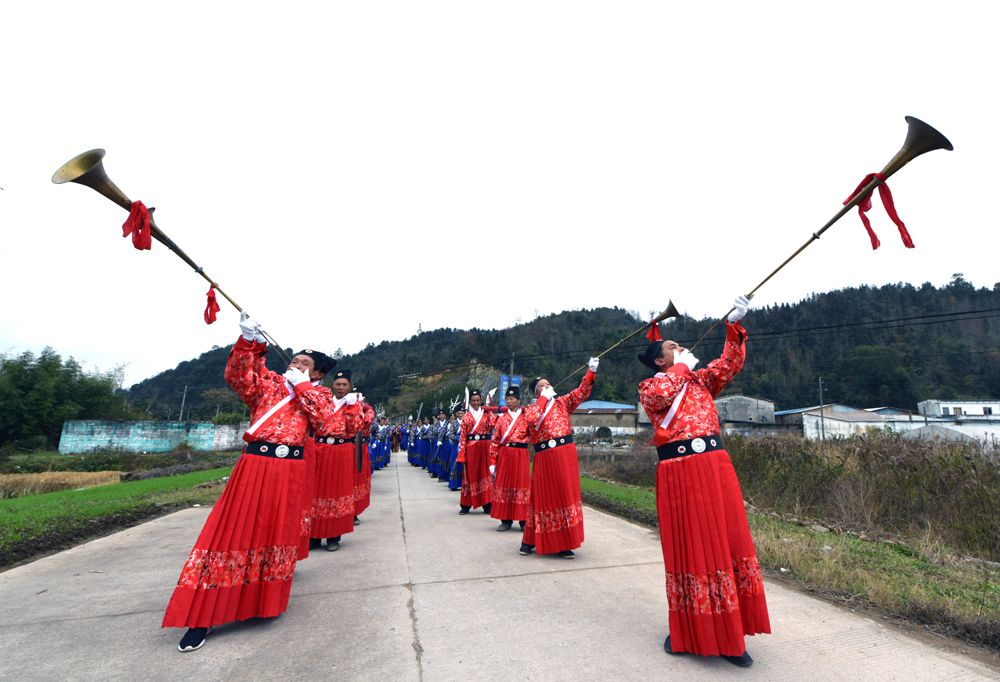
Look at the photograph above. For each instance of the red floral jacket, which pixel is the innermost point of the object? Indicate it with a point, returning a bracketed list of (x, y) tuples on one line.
[(696, 415), (557, 422)]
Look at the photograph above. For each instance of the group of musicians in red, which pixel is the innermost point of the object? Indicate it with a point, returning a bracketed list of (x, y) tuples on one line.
[(304, 477)]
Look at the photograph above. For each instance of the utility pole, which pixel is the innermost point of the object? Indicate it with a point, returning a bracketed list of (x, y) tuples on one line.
[(822, 422), (180, 417)]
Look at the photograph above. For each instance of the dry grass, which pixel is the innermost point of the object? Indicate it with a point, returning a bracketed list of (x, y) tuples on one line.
[(21, 485)]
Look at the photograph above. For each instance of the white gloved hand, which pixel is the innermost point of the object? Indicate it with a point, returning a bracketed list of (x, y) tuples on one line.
[(250, 329), (741, 305), (686, 357), (351, 398), (489, 396), (296, 376), (439, 443), (548, 392), (593, 363), (493, 469)]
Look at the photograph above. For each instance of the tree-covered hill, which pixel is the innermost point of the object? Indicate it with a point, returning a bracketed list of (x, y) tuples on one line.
[(890, 345)]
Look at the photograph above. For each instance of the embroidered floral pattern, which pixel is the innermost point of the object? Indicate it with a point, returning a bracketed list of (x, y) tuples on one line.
[(362, 489), (476, 487), (749, 579), (207, 570), (519, 434), (717, 592), (555, 520), (306, 523), (333, 507), (511, 495)]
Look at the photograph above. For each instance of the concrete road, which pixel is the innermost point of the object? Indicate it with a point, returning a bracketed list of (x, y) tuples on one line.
[(421, 593)]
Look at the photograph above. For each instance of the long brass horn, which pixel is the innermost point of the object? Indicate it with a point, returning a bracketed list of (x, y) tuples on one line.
[(88, 169), (669, 312), (920, 139)]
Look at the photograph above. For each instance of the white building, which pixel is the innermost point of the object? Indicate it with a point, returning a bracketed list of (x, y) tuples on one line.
[(959, 408)]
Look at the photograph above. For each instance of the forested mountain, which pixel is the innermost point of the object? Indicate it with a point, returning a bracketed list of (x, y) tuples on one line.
[(891, 345)]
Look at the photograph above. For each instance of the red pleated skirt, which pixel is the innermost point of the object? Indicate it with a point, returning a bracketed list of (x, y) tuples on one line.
[(333, 493), (363, 482), (477, 484), (242, 564), (715, 590), (555, 511), (308, 483), (512, 486)]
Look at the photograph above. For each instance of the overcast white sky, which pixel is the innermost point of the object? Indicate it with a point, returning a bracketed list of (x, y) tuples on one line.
[(349, 171)]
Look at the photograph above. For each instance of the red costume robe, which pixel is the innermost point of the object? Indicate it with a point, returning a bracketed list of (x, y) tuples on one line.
[(332, 503), (715, 591), (555, 512), (243, 561), (474, 453), (509, 452), (363, 478)]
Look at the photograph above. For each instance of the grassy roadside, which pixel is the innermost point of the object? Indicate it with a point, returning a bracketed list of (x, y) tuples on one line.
[(928, 585), (35, 524)]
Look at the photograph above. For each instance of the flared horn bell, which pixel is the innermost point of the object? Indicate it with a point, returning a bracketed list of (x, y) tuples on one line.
[(669, 313), (920, 139), (88, 169)]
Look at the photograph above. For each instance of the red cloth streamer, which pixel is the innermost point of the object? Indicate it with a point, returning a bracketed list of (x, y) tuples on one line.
[(213, 306), (138, 225), (653, 333), (890, 208)]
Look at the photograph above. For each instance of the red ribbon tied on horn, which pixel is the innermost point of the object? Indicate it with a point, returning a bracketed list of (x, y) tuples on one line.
[(212, 308), (653, 333), (890, 208), (138, 225)]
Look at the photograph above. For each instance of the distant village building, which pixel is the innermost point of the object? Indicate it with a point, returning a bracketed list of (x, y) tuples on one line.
[(746, 415), (603, 419), (831, 421), (959, 408)]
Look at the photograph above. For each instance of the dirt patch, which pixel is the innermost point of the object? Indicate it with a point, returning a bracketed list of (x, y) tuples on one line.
[(72, 534)]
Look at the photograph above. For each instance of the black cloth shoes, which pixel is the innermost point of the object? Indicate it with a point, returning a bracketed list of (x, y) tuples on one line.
[(357, 521), (526, 549), (487, 508), (333, 544), (504, 525), (567, 554), (315, 543), (743, 661), (521, 524), (463, 510), (192, 639)]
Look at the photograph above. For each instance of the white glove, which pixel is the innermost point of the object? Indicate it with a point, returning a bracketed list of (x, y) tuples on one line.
[(439, 443), (296, 376), (250, 329), (741, 305), (548, 392), (593, 363), (489, 396), (686, 357), (493, 470), (351, 398)]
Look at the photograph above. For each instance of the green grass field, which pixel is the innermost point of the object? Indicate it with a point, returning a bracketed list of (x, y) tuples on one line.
[(928, 584), (58, 515)]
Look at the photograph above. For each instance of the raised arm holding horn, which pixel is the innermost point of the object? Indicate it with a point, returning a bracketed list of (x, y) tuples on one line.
[(88, 169), (920, 139)]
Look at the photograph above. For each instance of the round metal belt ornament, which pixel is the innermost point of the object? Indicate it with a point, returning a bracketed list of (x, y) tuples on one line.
[(698, 445), (281, 451), (552, 443)]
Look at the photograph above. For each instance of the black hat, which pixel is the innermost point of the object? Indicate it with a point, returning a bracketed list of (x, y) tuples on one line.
[(652, 352), (323, 362), (534, 383), (475, 391), (441, 410), (514, 391), (458, 408), (342, 374)]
